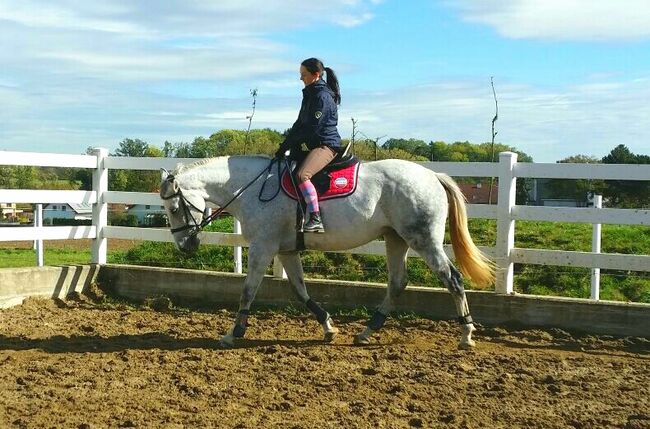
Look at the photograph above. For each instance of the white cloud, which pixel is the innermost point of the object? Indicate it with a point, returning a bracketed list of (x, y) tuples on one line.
[(173, 40), (353, 20), (547, 124), (580, 20), (79, 74), (98, 67)]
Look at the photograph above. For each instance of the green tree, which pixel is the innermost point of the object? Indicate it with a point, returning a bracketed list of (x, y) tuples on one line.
[(626, 193), (620, 155), (574, 189), (135, 180), (412, 146), (168, 149), (132, 147), (18, 177)]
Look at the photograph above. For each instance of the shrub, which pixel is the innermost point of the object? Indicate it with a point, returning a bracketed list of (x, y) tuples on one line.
[(123, 219), (70, 222)]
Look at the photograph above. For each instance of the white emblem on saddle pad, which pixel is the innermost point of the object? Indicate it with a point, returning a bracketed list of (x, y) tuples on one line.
[(340, 182), (318, 114)]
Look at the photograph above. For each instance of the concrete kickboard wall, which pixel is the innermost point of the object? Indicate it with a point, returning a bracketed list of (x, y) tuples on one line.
[(223, 289), (16, 284), (191, 287)]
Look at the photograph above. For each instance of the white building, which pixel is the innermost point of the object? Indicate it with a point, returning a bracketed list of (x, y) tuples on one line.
[(82, 211), (146, 213), (9, 211)]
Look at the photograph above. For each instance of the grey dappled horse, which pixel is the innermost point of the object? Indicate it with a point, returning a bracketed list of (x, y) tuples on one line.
[(401, 201)]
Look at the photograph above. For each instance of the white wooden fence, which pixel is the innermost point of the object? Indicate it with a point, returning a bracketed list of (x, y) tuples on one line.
[(506, 212)]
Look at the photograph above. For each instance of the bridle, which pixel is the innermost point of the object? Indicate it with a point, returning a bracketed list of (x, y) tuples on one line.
[(187, 205)]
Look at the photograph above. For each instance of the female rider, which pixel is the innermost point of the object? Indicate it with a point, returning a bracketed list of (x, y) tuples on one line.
[(316, 128)]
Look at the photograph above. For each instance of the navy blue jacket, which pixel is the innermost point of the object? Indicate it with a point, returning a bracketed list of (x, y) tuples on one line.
[(317, 120)]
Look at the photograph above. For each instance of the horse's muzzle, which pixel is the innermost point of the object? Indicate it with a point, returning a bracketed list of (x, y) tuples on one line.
[(189, 244)]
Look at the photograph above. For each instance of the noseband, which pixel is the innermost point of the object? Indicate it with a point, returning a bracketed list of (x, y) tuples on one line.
[(187, 204)]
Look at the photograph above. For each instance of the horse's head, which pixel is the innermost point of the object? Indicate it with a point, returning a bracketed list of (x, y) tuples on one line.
[(185, 211)]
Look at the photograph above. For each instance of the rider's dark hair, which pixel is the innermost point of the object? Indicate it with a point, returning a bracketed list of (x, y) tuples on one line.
[(314, 65)]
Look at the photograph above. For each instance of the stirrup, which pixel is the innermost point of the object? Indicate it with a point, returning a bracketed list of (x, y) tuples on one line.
[(315, 224)]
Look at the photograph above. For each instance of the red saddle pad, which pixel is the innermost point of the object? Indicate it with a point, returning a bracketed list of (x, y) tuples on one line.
[(343, 183)]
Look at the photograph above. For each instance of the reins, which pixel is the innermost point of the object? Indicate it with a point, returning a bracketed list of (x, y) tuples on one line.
[(197, 227), (268, 171)]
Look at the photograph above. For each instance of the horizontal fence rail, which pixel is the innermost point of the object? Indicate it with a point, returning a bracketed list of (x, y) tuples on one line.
[(582, 214), (35, 159), (505, 212), (115, 197), (47, 233), (583, 171), (47, 197), (607, 261)]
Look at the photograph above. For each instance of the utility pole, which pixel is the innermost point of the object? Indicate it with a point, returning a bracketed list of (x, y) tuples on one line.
[(354, 133), (250, 118), (375, 141), (494, 133)]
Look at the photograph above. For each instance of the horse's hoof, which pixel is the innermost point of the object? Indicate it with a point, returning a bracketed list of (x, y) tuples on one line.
[(227, 342), (467, 345), (361, 340), (329, 335)]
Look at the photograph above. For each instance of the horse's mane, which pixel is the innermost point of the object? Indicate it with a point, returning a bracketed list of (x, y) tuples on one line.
[(183, 168)]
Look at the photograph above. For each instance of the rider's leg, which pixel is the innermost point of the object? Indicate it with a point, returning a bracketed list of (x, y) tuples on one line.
[(315, 161), (293, 268)]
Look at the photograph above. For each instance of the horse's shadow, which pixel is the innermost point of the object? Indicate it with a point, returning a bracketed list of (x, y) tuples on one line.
[(147, 341)]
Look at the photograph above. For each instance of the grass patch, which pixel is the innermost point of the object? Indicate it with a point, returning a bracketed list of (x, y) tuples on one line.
[(14, 258), (531, 279)]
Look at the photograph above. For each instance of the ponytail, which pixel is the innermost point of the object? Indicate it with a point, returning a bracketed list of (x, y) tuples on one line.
[(314, 65), (333, 83)]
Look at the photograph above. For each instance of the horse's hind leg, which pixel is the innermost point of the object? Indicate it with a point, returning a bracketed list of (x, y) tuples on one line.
[(293, 267), (396, 249), (437, 260)]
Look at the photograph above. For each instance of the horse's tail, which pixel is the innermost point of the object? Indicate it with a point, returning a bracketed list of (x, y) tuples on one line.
[(472, 262)]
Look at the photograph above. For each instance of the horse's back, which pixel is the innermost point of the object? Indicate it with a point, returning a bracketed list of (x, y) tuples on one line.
[(407, 179), (412, 197), (391, 195)]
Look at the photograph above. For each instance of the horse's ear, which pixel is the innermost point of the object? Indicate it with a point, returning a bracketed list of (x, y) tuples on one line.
[(163, 174)]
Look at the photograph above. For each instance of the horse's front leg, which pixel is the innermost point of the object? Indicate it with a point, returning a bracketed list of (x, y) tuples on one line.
[(293, 267), (259, 258)]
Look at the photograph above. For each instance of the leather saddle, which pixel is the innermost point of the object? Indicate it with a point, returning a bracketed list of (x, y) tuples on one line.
[(323, 179)]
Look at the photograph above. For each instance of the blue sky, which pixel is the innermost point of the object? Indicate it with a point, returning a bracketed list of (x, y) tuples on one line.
[(572, 76)]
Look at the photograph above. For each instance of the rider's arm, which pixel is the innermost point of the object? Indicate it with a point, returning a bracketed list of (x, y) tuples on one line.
[(321, 117)]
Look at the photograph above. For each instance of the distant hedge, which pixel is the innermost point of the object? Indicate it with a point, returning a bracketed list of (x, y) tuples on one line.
[(70, 222)]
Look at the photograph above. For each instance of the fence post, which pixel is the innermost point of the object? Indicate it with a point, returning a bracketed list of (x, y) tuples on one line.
[(237, 250), (38, 243), (595, 248), (100, 209), (278, 269), (505, 223)]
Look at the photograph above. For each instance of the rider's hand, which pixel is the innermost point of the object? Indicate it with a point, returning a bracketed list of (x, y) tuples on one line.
[(281, 153)]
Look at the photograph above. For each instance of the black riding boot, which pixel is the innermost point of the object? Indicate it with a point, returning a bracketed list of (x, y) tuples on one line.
[(314, 224)]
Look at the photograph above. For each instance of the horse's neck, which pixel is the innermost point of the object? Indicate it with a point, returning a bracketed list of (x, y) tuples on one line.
[(221, 178)]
